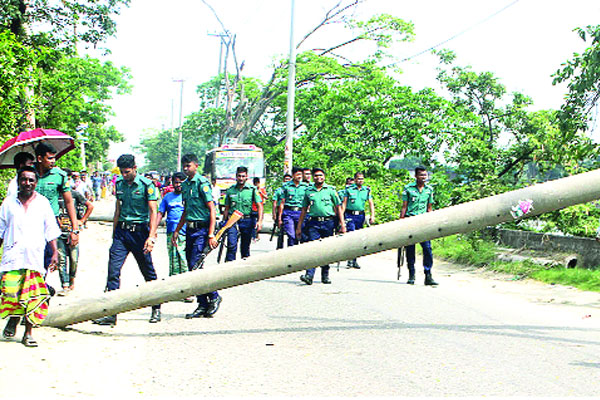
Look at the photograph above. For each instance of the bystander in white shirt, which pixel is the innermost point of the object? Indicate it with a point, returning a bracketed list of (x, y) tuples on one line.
[(25, 233)]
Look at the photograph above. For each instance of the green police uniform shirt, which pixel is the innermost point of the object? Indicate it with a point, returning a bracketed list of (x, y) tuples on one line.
[(321, 202), (417, 201), (196, 192), (357, 197), (278, 195), (294, 195), (134, 199), (241, 199), (52, 185)]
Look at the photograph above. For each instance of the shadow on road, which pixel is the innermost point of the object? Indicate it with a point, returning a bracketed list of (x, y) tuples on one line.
[(541, 333)]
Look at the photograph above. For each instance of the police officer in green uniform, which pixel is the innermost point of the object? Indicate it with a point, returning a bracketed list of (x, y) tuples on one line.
[(200, 215), (52, 184), (322, 204), (290, 207), (355, 198), (417, 198), (240, 197), (277, 198), (342, 192), (134, 229)]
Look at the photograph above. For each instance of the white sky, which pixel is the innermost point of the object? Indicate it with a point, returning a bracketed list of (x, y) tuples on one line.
[(161, 41)]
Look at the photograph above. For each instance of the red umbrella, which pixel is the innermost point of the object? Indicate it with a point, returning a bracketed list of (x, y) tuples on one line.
[(26, 141)]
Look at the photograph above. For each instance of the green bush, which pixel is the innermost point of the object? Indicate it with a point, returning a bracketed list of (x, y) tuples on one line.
[(578, 220)]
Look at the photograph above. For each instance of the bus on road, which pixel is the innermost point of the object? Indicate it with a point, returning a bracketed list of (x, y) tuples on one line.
[(221, 162)]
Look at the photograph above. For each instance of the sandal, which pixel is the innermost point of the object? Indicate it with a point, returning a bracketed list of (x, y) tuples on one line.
[(29, 341), (11, 328)]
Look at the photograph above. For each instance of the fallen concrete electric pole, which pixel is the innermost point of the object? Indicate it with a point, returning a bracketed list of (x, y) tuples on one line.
[(462, 218)]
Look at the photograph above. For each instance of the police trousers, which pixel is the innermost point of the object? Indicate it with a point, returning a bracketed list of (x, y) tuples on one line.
[(244, 228), (125, 242), (318, 230), (196, 239)]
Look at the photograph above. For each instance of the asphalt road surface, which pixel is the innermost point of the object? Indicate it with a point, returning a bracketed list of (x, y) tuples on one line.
[(367, 334)]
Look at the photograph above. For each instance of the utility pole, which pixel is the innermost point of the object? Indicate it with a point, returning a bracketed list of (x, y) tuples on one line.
[(221, 36), (180, 122), (81, 130), (177, 167), (289, 141)]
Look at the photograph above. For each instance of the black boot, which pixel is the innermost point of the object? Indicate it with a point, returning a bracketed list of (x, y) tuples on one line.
[(213, 306), (198, 313), (306, 279), (411, 278), (325, 278), (429, 279), (355, 264), (108, 320), (155, 317)]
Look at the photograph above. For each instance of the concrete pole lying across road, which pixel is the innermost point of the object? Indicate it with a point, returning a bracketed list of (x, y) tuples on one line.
[(462, 218)]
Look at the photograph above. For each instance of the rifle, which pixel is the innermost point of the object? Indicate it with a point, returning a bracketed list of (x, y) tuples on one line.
[(400, 261), (235, 217), (273, 231), (280, 238), (221, 246)]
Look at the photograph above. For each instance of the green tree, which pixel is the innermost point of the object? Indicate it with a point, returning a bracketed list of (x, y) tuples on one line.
[(60, 23), (503, 139), (18, 64), (199, 132), (582, 74)]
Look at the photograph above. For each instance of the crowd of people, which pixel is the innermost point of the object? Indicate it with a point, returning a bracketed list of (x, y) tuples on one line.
[(46, 206)]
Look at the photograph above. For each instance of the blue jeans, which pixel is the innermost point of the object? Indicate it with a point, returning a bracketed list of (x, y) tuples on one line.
[(195, 241), (244, 229), (125, 242), (427, 257), (317, 230)]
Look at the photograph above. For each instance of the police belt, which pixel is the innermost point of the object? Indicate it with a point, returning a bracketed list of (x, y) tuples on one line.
[(132, 226), (355, 212), (321, 219), (197, 224), (292, 208)]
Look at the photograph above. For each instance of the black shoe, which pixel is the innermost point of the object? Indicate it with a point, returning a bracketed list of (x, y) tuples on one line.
[(213, 306), (325, 280), (306, 279), (108, 320), (198, 313), (355, 265), (155, 317), (411, 278), (429, 280)]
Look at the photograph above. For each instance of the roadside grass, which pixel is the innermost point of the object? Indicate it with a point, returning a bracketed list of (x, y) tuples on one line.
[(482, 254)]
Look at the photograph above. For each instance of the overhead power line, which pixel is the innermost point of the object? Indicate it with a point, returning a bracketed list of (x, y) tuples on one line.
[(458, 34)]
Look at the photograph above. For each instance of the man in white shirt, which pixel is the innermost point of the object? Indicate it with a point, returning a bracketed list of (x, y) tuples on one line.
[(27, 222)]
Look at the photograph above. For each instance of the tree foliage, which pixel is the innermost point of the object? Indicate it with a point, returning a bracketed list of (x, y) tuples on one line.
[(582, 74), (62, 23), (45, 83), (198, 135)]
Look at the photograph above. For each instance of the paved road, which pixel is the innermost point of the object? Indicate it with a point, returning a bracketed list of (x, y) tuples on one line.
[(366, 334)]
